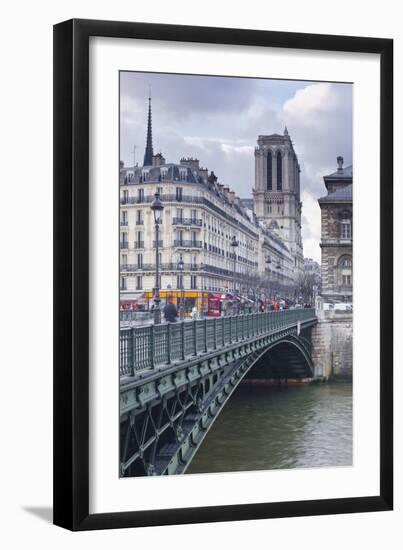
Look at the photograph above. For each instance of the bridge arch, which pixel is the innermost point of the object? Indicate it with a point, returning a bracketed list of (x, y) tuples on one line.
[(166, 414), (288, 358)]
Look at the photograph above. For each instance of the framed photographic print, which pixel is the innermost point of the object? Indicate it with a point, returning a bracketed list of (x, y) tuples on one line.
[(222, 351)]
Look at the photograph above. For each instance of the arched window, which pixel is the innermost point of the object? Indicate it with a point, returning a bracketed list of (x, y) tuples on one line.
[(279, 172), (345, 271), (269, 172)]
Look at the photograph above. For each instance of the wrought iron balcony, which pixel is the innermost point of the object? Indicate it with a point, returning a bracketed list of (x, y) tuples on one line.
[(187, 222), (124, 223), (138, 244), (187, 244), (124, 244), (139, 222), (165, 198), (217, 270), (160, 244), (170, 266)]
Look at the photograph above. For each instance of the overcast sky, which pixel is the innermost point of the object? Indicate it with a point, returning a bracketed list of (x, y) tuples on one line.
[(218, 119)]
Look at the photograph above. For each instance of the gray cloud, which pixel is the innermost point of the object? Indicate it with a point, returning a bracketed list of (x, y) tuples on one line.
[(218, 119)]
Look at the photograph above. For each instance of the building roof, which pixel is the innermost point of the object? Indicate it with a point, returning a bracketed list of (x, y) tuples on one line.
[(341, 173), (345, 194)]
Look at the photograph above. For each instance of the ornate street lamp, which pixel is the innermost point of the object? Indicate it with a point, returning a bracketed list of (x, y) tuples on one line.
[(268, 262), (234, 244), (181, 267), (157, 207)]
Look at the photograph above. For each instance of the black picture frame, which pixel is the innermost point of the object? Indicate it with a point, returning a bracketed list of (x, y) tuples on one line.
[(71, 274)]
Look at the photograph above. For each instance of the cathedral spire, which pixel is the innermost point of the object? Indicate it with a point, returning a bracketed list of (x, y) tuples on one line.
[(148, 155), (285, 131)]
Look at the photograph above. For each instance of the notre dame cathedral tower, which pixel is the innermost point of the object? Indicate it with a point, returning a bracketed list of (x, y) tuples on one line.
[(276, 195)]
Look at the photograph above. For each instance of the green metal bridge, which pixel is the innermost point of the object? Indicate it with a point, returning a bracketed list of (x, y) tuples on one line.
[(175, 378)]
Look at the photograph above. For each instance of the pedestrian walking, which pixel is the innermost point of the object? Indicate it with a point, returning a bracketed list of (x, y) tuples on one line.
[(170, 312)]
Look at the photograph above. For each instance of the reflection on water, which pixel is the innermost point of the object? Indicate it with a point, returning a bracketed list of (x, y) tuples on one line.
[(265, 427)]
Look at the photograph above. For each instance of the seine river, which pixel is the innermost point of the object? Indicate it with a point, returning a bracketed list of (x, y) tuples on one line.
[(266, 427)]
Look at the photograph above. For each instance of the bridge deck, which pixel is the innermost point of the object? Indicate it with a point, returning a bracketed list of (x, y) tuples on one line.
[(148, 347)]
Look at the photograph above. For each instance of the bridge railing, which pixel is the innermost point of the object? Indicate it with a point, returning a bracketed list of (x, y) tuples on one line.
[(146, 347)]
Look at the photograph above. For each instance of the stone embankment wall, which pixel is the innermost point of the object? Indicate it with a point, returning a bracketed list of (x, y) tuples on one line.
[(332, 345)]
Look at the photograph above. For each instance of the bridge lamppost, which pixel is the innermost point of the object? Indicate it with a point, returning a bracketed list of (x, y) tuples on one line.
[(181, 267), (157, 207), (268, 262), (234, 244)]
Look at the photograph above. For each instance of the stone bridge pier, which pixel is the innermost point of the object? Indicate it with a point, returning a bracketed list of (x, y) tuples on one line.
[(332, 345)]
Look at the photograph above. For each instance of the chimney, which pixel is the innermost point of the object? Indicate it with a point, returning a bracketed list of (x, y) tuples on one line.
[(340, 161)]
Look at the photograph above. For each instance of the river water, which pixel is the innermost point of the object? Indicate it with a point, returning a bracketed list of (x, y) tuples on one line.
[(266, 427)]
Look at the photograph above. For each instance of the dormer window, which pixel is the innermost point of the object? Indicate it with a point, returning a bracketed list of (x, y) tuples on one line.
[(146, 175)]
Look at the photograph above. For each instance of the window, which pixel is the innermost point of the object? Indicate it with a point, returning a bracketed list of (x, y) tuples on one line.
[(345, 268), (159, 191), (139, 217), (124, 259), (139, 282), (139, 239), (179, 214), (125, 195), (346, 280), (193, 281), (179, 237), (269, 172), (193, 215), (139, 261), (124, 217), (345, 229), (179, 193), (140, 195), (279, 172), (123, 283), (183, 174)]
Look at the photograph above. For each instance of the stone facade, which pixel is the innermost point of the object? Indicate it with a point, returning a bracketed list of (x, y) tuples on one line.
[(276, 195), (332, 337), (332, 345), (337, 236), (201, 220)]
